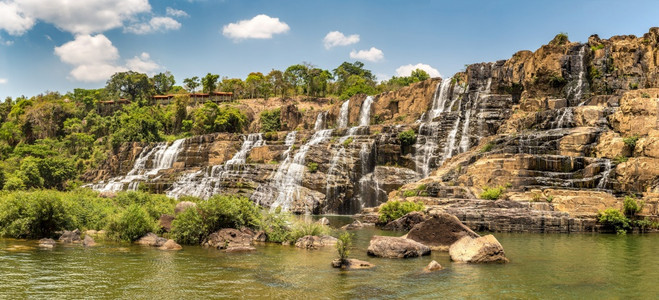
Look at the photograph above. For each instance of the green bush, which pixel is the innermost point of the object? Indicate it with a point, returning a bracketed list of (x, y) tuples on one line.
[(35, 214), (486, 148), (343, 245), (301, 229), (631, 207), (276, 226), (271, 136), (620, 159), (155, 205), (614, 220), (131, 224), (407, 137), (222, 211), (492, 193), (393, 210), (630, 141), (188, 227), (409, 193), (271, 120), (348, 141), (312, 167)]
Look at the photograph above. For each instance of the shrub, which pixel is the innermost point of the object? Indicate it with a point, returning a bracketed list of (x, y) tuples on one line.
[(409, 193), (301, 229), (560, 39), (348, 141), (486, 148), (631, 207), (133, 223), (643, 225), (34, 214), (271, 120), (407, 137), (597, 47), (630, 141), (393, 210), (271, 136), (549, 198), (313, 167), (276, 226), (343, 245), (633, 86), (188, 227), (154, 204), (620, 159), (222, 211), (492, 193), (613, 219)]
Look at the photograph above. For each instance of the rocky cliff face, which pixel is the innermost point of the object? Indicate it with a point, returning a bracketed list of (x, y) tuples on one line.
[(568, 130)]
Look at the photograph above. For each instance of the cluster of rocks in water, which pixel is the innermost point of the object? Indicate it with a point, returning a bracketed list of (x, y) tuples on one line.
[(70, 237)]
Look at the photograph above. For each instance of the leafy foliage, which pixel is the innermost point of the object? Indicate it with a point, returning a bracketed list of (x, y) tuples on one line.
[(407, 137), (492, 193), (613, 219), (270, 120), (343, 245), (393, 210), (630, 206)]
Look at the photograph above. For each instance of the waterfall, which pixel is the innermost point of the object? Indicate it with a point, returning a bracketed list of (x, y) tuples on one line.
[(575, 91), (439, 100), (161, 157), (288, 179), (343, 114), (566, 118), (365, 112), (465, 141), (206, 183), (605, 175), (320, 121)]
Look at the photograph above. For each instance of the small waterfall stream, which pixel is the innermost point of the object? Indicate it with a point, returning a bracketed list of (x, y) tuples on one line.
[(208, 182), (575, 91), (161, 157), (342, 122)]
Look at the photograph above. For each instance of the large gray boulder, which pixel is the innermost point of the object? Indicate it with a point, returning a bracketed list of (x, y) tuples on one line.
[(313, 242), (152, 240), (406, 222), (232, 240), (485, 249), (70, 236), (440, 231), (396, 247)]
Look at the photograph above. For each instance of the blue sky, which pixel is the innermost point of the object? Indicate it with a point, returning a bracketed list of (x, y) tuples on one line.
[(58, 45)]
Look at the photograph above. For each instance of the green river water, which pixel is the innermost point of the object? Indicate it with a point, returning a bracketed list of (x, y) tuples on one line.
[(542, 266)]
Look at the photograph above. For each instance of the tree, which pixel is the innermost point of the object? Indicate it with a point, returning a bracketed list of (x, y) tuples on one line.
[(254, 81), (130, 84), (277, 82), (294, 76), (349, 74), (163, 82), (209, 82), (234, 85), (419, 75), (191, 84)]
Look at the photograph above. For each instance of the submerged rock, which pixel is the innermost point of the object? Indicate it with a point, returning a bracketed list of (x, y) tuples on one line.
[(47, 243), (151, 239), (230, 239), (351, 264), (406, 222), (70, 236), (396, 247), (323, 221), (440, 231), (353, 226), (170, 245), (88, 241), (315, 242), (485, 249), (432, 266)]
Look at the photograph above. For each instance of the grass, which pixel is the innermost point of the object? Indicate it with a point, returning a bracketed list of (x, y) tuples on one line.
[(492, 193), (486, 148)]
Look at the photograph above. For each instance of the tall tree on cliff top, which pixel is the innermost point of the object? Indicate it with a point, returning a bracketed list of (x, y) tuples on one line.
[(130, 84), (255, 81), (191, 84), (209, 82), (163, 82), (294, 76), (277, 82), (353, 77)]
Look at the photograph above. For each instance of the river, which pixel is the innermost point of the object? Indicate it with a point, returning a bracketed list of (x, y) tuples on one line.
[(542, 266)]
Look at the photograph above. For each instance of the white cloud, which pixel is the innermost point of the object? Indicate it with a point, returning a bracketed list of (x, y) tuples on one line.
[(176, 12), (406, 70), (13, 20), (3, 80), (95, 59), (373, 54), (142, 64), (336, 38), (82, 17), (259, 27), (157, 24)]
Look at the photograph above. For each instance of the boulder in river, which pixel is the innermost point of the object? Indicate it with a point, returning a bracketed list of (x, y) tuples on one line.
[(151, 239), (323, 221), (70, 236), (47, 243), (485, 249), (313, 242), (170, 245), (230, 239), (440, 231), (351, 264), (406, 222), (353, 226), (396, 247), (432, 267), (88, 241)]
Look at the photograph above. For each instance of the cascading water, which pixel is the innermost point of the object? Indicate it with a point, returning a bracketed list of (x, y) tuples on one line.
[(206, 183), (565, 118), (288, 180), (439, 99), (576, 90), (161, 157), (320, 121), (465, 141), (343, 115), (605, 175)]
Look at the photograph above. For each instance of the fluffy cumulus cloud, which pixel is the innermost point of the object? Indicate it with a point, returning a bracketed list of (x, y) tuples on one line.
[(94, 59), (156, 24), (406, 70), (176, 12), (337, 38), (78, 17), (373, 54), (13, 19), (259, 27), (3, 80)]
